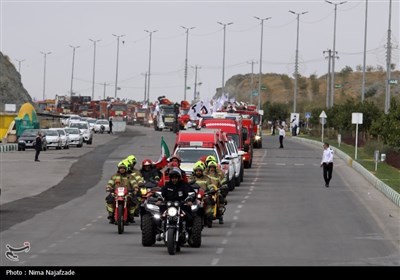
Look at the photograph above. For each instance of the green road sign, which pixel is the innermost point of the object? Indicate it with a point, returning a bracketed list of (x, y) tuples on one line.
[(263, 87), (338, 86), (392, 82)]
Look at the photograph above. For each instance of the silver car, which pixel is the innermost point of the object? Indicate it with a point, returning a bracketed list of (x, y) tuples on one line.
[(75, 136)]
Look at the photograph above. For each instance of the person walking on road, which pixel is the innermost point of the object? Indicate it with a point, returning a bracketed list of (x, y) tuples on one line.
[(327, 164), (282, 134), (38, 146), (110, 124)]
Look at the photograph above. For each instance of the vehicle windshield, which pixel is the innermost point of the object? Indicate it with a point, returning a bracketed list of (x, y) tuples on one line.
[(118, 108), (72, 130), (79, 125), (30, 132), (51, 132), (192, 155), (102, 122), (61, 131), (235, 138)]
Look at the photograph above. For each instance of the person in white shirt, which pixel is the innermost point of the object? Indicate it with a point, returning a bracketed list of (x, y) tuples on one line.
[(327, 164), (282, 135)]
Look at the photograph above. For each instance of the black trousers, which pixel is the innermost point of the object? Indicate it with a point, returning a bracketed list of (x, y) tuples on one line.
[(281, 141), (37, 154), (327, 172)]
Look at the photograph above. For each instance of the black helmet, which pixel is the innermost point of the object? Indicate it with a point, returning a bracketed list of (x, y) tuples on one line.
[(175, 172)]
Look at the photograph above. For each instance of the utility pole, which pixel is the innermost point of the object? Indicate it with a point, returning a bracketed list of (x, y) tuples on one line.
[(149, 72), (116, 71), (223, 58), (388, 61), (328, 79), (94, 64), (195, 82), (252, 62), (145, 87), (296, 65), (334, 50), (186, 58), (104, 93), (72, 73), (261, 51), (19, 65), (44, 74), (365, 52)]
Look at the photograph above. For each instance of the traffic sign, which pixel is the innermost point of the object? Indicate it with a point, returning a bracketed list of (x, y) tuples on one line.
[(392, 82), (263, 87), (308, 115), (323, 115), (322, 121), (255, 93), (338, 86)]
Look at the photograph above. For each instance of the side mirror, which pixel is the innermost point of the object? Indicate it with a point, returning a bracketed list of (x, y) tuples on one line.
[(241, 153)]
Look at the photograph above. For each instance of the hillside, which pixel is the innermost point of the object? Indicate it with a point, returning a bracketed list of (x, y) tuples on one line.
[(279, 88), (11, 89)]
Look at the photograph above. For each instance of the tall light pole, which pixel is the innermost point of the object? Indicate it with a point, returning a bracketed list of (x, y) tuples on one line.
[(365, 52), (252, 62), (388, 60), (44, 73), (19, 65), (195, 82), (116, 71), (148, 72), (186, 58), (334, 51), (223, 57), (261, 51), (296, 64), (145, 87), (94, 64), (72, 73)]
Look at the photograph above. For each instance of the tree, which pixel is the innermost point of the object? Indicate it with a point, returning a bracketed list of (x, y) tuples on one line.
[(276, 111), (390, 125)]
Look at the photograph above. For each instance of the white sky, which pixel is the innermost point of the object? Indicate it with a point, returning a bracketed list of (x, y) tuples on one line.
[(31, 27)]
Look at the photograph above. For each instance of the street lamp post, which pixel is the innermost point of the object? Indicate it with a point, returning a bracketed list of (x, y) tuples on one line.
[(94, 64), (223, 57), (195, 82), (72, 73), (334, 51), (261, 51), (116, 71), (365, 52), (296, 65), (19, 65), (252, 62), (44, 73), (186, 58), (148, 72)]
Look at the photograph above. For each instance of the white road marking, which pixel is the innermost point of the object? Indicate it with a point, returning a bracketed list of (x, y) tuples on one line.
[(88, 225), (225, 241), (76, 232), (240, 206), (233, 225), (237, 211), (235, 217), (215, 261), (299, 164), (52, 245), (83, 228), (243, 201), (33, 256), (219, 251), (43, 251), (246, 197), (249, 193), (229, 233), (280, 163)]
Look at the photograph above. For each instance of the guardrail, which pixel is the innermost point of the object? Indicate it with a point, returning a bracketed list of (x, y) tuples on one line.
[(385, 189), (8, 148)]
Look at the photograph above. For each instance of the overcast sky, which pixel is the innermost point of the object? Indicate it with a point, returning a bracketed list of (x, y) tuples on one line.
[(31, 27)]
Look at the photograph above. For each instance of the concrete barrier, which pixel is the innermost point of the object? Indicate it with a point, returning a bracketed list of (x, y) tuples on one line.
[(8, 147), (385, 189)]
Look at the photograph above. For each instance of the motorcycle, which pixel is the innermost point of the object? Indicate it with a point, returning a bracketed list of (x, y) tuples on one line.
[(176, 233), (121, 195), (102, 129), (212, 199), (150, 221)]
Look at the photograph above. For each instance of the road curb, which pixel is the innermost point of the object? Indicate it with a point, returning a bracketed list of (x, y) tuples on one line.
[(8, 147), (377, 183)]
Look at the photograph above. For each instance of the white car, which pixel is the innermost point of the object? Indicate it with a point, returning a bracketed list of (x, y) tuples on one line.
[(91, 122), (98, 124), (75, 136), (87, 133), (236, 157), (53, 138), (63, 136)]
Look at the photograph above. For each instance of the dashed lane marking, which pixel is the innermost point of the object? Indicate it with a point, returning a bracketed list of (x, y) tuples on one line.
[(219, 251), (215, 261)]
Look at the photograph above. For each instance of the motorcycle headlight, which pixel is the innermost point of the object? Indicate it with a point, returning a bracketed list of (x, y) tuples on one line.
[(258, 137), (153, 207), (172, 211), (193, 207), (176, 204), (169, 203), (121, 191)]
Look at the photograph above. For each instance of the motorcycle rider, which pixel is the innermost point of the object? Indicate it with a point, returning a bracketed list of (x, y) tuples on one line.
[(121, 178), (212, 172), (219, 170), (148, 172), (177, 190), (131, 161), (205, 182)]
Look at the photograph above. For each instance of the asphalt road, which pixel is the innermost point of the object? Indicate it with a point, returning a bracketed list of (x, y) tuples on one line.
[(280, 215)]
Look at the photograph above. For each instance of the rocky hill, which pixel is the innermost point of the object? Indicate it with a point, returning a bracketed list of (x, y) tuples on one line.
[(279, 88), (11, 89)]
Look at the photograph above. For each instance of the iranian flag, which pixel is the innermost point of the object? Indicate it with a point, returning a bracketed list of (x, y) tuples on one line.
[(162, 161)]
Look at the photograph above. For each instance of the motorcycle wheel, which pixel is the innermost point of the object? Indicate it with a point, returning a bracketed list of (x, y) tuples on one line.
[(148, 235), (195, 236), (171, 243), (120, 220)]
